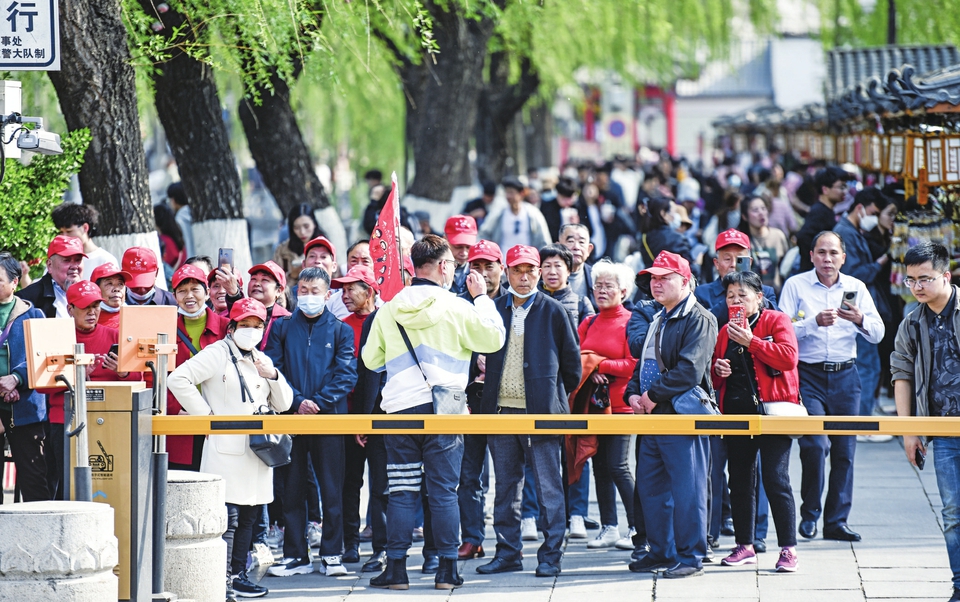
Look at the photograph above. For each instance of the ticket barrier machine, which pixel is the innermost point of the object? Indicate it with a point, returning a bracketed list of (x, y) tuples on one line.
[(108, 433)]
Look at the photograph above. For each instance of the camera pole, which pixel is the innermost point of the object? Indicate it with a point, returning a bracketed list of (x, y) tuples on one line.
[(160, 471)]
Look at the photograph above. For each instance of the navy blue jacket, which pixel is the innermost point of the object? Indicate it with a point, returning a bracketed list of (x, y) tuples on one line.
[(318, 364), (551, 357), (713, 297), (40, 295), (860, 262), (32, 406)]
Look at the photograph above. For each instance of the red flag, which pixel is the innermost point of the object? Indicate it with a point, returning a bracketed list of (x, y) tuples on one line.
[(385, 246)]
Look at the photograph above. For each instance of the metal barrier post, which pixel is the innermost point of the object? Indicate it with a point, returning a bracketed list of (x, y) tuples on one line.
[(82, 478), (160, 473)]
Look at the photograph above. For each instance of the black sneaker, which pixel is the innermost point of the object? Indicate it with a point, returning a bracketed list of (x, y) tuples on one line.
[(243, 588)]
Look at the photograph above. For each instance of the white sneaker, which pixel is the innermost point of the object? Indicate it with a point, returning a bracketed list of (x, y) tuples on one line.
[(626, 543), (528, 530), (607, 538), (294, 566), (577, 529), (332, 566), (314, 534), (874, 438)]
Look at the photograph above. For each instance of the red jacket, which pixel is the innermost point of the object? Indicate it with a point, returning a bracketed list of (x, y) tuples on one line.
[(180, 447), (780, 354), (606, 335)]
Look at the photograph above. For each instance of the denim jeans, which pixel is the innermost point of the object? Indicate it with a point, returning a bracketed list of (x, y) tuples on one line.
[(470, 493), (412, 459), (530, 508), (830, 394), (946, 461), (868, 365), (542, 453)]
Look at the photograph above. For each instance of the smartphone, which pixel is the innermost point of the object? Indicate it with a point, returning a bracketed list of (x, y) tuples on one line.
[(225, 258), (744, 264), (848, 297), (115, 349), (736, 314), (919, 458)]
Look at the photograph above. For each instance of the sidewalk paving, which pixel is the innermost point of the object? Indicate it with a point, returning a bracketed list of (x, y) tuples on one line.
[(902, 557)]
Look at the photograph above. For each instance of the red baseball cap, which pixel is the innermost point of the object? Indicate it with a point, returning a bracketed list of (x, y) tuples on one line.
[(668, 263), (274, 270), (485, 249), (108, 270), (141, 264), (358, 273), (246, 308), (322, 242), (65, 246), (408, 265), (83, 294), (189, 272), (461, 230), (522, 254), (732, 237)]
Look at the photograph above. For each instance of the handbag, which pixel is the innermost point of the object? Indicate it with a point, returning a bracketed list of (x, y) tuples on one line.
[(696, 400), (446, 400), (772, 408), (272, 449)]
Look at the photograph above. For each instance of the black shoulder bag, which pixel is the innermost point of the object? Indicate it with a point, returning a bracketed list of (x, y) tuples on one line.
[(272, 449)]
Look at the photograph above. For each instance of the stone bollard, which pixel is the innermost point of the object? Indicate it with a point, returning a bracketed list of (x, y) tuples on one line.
[(195, 558), (63, 551)]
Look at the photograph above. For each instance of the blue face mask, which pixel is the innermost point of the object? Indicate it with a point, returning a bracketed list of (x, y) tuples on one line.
[(311, 305)]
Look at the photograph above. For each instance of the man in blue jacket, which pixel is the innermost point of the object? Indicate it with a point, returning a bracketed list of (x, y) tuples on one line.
[(532, 374), (314, 350), (20, 405)]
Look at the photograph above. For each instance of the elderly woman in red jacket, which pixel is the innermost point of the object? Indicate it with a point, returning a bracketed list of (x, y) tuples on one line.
[(755, 361)]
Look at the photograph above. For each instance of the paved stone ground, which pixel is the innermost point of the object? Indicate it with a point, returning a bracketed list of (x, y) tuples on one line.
[(902, 557)]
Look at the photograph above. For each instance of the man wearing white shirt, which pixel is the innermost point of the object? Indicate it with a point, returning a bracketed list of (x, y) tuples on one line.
[(827, 324)]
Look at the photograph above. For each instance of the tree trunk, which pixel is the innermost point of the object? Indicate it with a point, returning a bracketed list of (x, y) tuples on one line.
[(96, 89), (277, 145), (442, 100), (538, 134), (891, 22), (499, 102), (188, 105)]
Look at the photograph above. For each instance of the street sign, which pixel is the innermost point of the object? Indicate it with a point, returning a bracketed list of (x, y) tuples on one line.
[(29, 35)]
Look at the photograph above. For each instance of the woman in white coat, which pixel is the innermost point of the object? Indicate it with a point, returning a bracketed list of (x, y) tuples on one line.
[(209, 383)]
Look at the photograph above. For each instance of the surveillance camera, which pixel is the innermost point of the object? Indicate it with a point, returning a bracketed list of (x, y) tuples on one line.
[(40, 141)]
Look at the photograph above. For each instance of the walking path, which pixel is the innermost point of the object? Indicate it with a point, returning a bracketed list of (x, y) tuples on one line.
[(895, 508)]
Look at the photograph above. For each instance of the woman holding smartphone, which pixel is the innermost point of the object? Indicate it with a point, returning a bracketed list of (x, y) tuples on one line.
[(755, 361)]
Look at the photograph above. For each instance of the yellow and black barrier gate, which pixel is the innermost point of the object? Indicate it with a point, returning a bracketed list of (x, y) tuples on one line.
[(542, 424)]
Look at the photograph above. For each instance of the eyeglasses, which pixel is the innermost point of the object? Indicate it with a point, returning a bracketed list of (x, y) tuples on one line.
[(606, 287), (919, 283), (453, 261)]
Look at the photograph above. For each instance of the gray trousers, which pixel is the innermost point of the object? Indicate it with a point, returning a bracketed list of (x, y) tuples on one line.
[(510, 453)]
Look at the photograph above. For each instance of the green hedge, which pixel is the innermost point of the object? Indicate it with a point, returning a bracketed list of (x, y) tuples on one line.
[(29, 192)]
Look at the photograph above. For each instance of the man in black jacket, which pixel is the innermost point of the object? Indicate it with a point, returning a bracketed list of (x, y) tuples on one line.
[(486, 259), (831, 183), (532, 373), (672, 469), (64, 268)]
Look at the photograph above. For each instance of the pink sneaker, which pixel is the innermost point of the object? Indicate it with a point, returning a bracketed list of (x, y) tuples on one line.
[(739, 556), (788, 561)]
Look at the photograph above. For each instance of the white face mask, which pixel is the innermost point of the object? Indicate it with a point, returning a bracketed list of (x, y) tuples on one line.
[(247, 338), (311, 305), (520, 295), (142, 298), (195, 314), (869, 222)]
